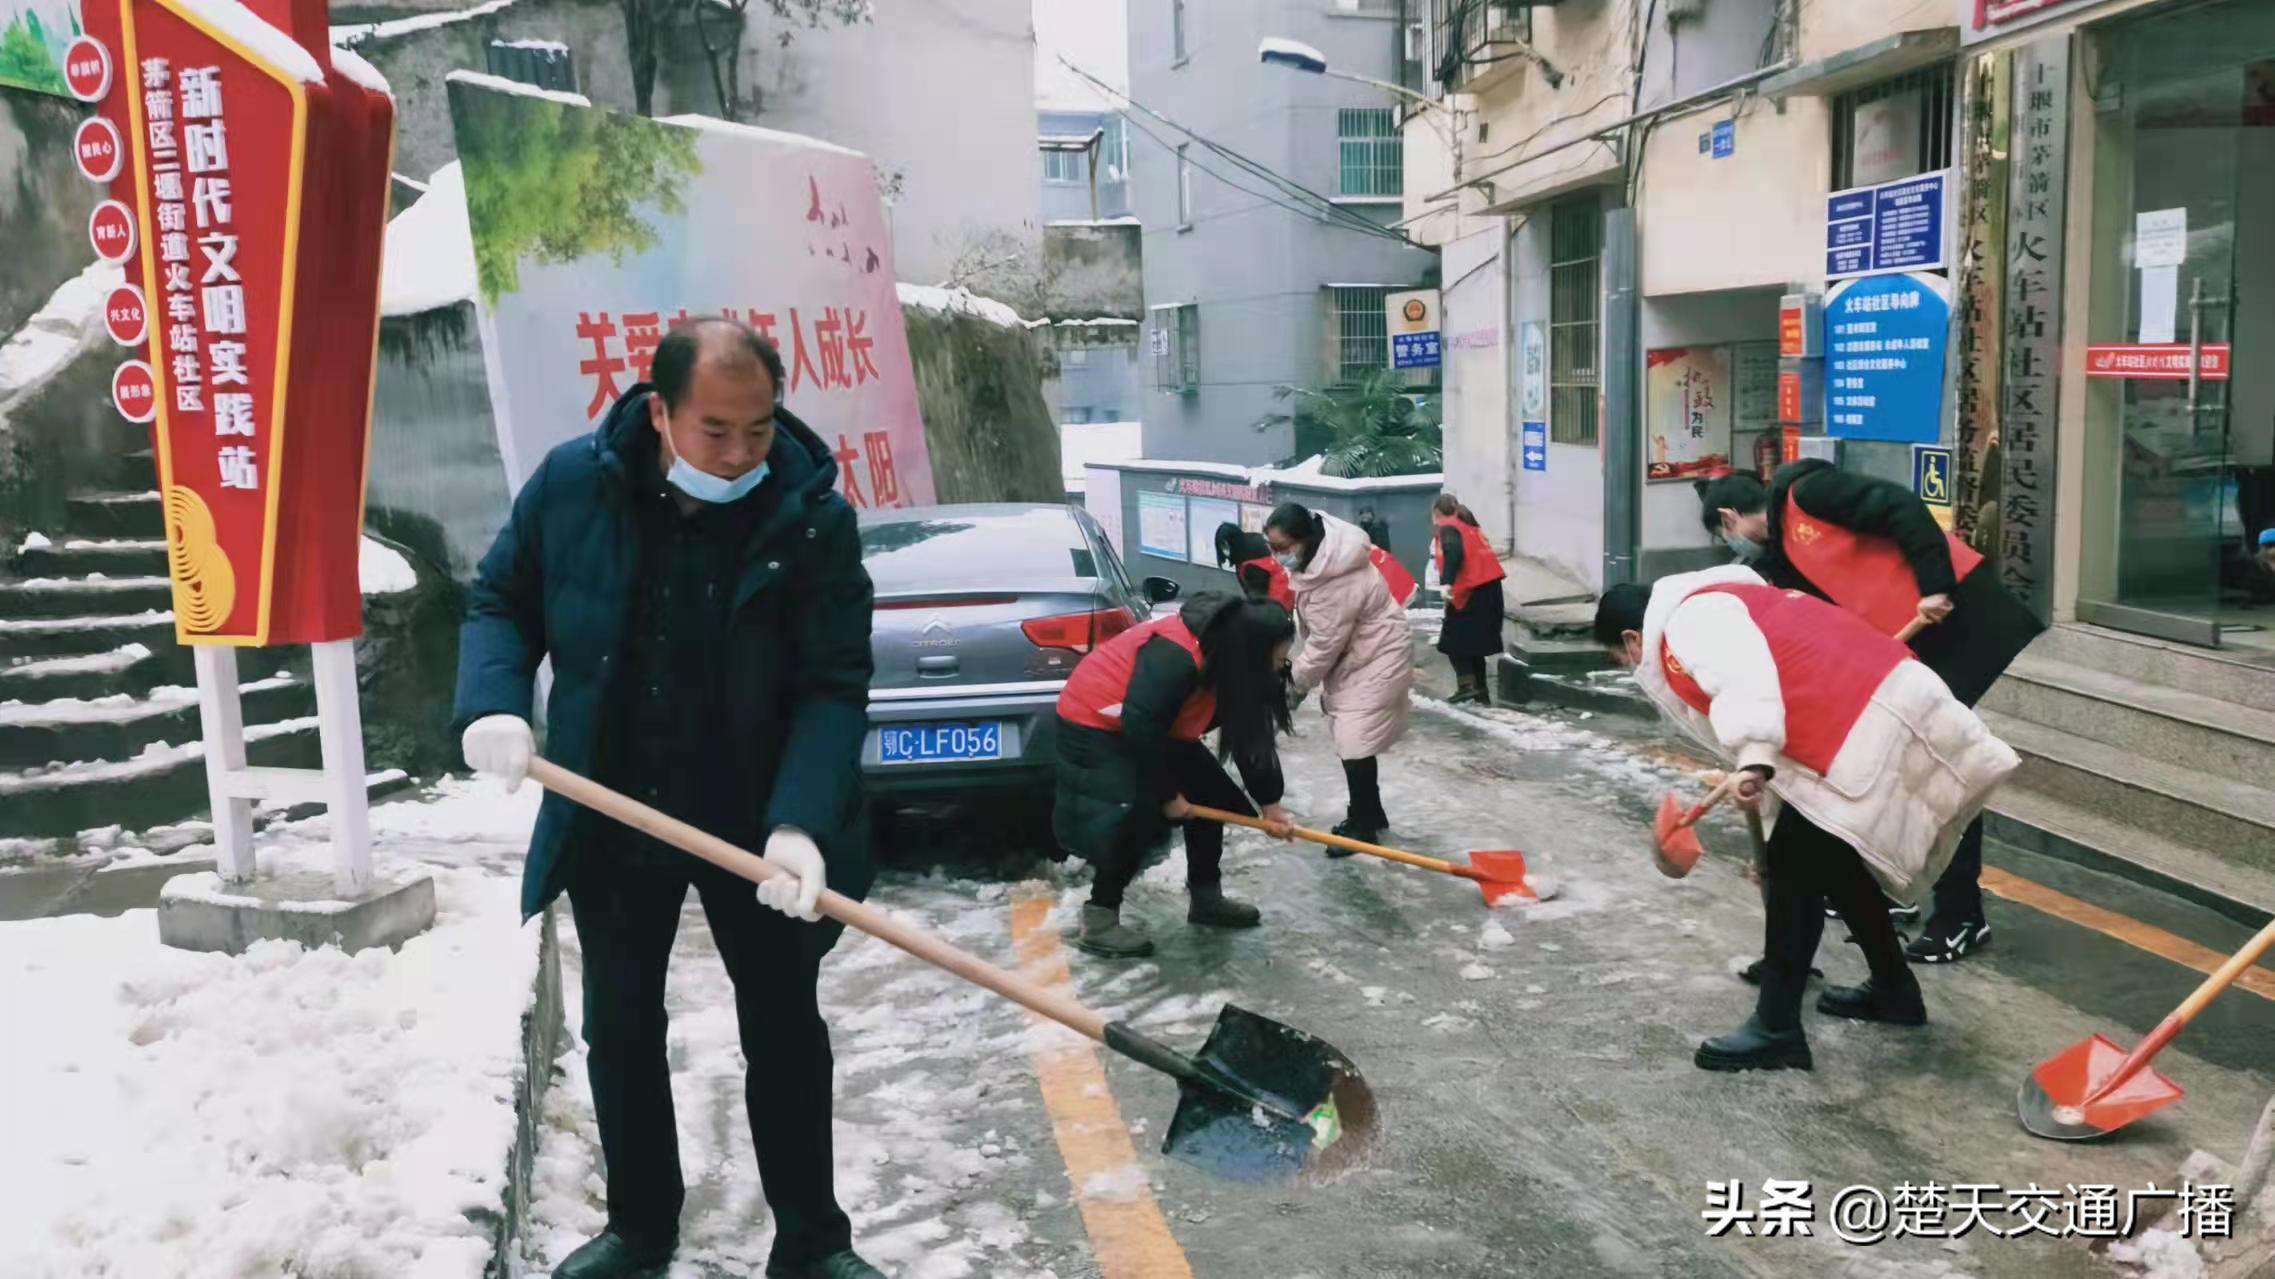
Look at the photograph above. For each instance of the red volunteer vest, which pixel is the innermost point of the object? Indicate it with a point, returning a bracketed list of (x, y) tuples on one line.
[(1281, 592), (1479, 564), (1093, 694), (1829, 662), (1862, 572), (1394, 574)]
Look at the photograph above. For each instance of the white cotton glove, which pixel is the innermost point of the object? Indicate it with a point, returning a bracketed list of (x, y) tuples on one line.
[(499, 746), (795, 892)]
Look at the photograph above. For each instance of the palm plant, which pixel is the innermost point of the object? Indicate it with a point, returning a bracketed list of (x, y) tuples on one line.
[(1373, 426)]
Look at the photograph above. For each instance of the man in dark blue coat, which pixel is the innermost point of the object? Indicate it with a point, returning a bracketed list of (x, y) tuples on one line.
[(697, 583)]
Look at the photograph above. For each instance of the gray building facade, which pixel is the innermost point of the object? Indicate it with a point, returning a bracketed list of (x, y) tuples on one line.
[(1067, 186), (1249, 288)]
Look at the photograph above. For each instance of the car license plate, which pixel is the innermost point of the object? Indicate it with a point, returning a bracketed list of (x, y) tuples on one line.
[(929, 743)]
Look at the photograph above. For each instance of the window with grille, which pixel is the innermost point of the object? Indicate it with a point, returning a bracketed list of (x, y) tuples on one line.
[(1575, 303), (1895, 129), (1063, 167), (1362, 332), (1177, 349), (1184, 188), (546, 64), (1373, 152)]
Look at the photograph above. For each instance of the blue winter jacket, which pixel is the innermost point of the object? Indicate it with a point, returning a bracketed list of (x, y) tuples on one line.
[(561, 582)]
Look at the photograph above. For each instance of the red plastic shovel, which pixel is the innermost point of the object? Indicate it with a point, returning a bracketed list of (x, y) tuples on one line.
[(2093, 1087), (1674, 843), (1498, 873)]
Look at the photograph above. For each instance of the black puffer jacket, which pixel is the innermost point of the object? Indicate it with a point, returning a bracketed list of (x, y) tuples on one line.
[(1988, 627)]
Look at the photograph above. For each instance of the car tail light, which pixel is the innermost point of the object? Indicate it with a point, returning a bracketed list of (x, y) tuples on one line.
[(1077, 632)]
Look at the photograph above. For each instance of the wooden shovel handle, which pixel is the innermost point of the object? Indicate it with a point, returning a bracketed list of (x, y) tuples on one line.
[(1699, 810), (925, 946), (2155, 1040), (1911, 628), (1344, 842)]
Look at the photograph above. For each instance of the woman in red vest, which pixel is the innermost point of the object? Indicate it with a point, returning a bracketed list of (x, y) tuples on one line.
[(1131, 761), (1873, 548), (1878, 769), (1470, 574), (1250, 558)]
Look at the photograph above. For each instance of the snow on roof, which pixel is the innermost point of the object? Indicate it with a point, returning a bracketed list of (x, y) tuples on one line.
[(1102, 323), (537, 46), (1084, 443), (70, 323), (1069, 141), (382, 570), (355, 68), (502, 85), (270, 45), (430, 250), (964, 301), (716, 125), (1296, 49), (360, 32), (1124, 220)]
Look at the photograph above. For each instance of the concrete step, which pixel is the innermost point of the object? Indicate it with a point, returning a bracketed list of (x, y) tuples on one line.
[(121, 725), (2035, 823), (133, 668), (2238, 676), (2204, 734), (162, 784), (111, 515), (1604, 692), (79, 556), (76, 596), (2230, 819), (77, 636)]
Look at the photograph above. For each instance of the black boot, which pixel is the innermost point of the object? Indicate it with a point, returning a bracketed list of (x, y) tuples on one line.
[(1898, 1004), (1483, 678), (1351, 828), (1210, 906), (842, 1264), (612, 1256), (1751, 974), (1771, 1039), (1465, 689), (1105, 935)]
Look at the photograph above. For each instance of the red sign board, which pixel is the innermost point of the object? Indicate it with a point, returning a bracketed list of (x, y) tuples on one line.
[(87, 69), (1792, 336), (134, 391), (110, 228), (256, 300), (99, 149), (1789, 395), (125, 315), (2159, 360)]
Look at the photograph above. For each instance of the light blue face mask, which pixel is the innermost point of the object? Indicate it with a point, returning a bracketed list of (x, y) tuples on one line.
[(1745, 548), (1291, 560), (704, 486)]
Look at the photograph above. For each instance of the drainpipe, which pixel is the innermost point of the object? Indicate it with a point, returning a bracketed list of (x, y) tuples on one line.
[(1622, 401)]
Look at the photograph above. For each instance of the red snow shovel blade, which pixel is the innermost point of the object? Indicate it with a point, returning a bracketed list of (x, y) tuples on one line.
[(1674, 843), (2052, 1102), (1501, 874)]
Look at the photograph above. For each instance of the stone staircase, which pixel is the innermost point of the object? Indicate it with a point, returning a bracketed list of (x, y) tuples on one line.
[(98, 707), (2151, 760)]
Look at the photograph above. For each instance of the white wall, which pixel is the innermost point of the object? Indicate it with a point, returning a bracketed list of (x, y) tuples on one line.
[(1559, 513), (942, 92), (1475, 343), (1754, 217)]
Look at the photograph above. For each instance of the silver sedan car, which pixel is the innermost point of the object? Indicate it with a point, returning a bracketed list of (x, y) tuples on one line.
[(982, 611)]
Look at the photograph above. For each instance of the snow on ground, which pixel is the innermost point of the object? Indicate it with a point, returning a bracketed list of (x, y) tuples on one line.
[(348, 37), (2160, 1254), (156, 757), (286, 1112), (117, 707), (59, 625), (118, 659), (92, 582), (34, 541), (71, 323), (382, 570), (963, 301), (430, 250)]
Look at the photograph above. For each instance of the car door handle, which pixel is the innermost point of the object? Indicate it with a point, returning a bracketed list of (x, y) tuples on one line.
[(936, 667)]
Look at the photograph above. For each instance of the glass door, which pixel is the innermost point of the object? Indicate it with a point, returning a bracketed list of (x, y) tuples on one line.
[(2183, 209)]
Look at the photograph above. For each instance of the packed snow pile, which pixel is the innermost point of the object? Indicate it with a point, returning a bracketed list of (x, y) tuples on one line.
[(287, 1112), (960, 301), (430, 250), (34, 541), (382, 570), (2160, 1254), (70, 324)]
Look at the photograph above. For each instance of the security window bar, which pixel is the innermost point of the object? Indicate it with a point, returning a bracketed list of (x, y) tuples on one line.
[(1462, 33), (1184, 188), (1362, 333), (1372, 152), (1936, 88), (1575, 307), (1177, 349)]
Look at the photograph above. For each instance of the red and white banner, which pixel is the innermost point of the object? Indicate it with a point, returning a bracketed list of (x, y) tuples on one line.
[(2160, 360)]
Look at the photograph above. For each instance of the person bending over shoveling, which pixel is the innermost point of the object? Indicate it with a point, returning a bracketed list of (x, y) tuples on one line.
[(1131, 760), (1879, 769)]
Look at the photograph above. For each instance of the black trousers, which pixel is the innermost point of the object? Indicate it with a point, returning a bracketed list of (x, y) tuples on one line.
[(1959, 892), (626, 917), (1808, 865), (1201, 780), (1364, 777)]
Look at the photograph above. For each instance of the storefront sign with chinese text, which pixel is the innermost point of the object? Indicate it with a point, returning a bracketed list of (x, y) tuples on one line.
[(2038, 164), (1413, 325), (1895, 226), (2156, 360), (1983, 19), (626, 227), (1191, 487), (1687, 403), (1884, 340)]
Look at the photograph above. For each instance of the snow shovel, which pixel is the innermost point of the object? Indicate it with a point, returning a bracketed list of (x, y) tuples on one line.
[(1498, 873), (2093, 1087), (1673, 843), (1261, 1101)]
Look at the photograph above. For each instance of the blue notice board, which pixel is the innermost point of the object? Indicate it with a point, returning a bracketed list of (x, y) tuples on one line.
[(1536, 446), (1725, 139), (1895, 226), (1414, 350), (1884, 341)]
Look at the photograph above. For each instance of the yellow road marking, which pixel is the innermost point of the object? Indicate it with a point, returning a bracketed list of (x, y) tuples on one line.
[(1128, 1235), (2258, 980)]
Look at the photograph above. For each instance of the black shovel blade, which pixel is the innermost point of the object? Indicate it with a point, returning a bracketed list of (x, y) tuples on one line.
[(1269, 1102)]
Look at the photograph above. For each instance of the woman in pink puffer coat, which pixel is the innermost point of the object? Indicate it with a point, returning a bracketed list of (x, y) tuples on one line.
[(1357, 650)]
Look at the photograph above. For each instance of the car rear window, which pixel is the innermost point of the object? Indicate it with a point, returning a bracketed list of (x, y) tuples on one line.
[(958, 551)]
